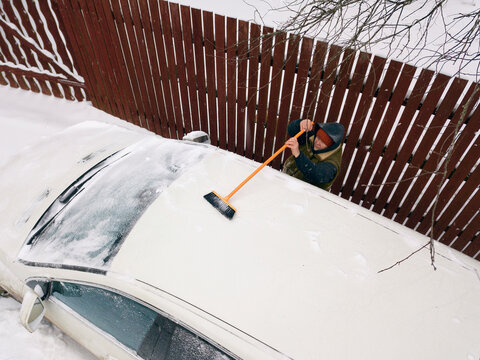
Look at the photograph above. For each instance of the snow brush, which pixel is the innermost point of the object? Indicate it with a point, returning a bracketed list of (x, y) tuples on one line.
[(221, 203)]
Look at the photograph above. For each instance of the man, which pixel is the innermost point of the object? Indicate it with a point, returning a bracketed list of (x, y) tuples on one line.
[(317, 154)]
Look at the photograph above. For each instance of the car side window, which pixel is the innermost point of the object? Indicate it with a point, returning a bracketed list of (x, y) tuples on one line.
[(149, 334)]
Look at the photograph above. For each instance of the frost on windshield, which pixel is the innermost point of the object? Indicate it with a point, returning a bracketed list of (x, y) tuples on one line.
[(88, 223)]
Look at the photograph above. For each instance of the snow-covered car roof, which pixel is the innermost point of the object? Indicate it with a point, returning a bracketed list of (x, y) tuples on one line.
[(296, 268)]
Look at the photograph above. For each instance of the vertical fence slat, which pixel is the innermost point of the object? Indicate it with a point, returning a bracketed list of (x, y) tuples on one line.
[(172, 69), (231, 82), (314, 79), (327, 83), (359, 120), (100, 58), (375, 149), (242, 85), (265, 67), (27, 25), (164, 73), (221, 81), (275, 85), (6, 56), (302, 77), (421, 153), (286, 96), (432, 163), (141, 57), (160, 120), (341, 85), (254, 53), (455, 181), (210, 70), (22, 82), (456, 228), (354, 92), (466, 137), (418, 124), (200, 68), (372, 123), (190, 65), (78, 36), (451, 211), (411, 107), (180, 64)]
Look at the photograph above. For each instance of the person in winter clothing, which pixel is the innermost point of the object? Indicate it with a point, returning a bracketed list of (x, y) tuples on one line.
[(317, 154)]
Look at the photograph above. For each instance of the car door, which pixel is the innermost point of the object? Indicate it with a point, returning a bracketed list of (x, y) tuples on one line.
[(115, 326)]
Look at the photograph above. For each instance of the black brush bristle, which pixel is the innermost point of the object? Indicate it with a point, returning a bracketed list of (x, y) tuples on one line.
[(220, 205)]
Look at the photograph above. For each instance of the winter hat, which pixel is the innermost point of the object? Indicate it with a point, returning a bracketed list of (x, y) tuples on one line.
[(322, 135)]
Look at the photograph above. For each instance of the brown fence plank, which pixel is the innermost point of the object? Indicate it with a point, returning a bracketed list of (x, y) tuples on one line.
[(242, 85), (7, 57), (146, 79), (462, 171), (22, 82), (275, 86), (466, 137), (421, 153), (160, 120), (253, 62), (286, 97), (200, 68), (78, 36), (190, 65), (265, 67), (471, 232), (172, 69), (302, 78), (119, 68), (60, 48), (221, 80), (459, 226), (180, 64), (359, 120), (432, 165), (70, 43), (164, 73), (231, 82), (406, 151), (314, 79), (341, 86), (84, 27), (366, 139), (327, 83), (354, 91), (33, 34), (411, 107), (447, 219), (210, 70), (102, 60), (385, 125)]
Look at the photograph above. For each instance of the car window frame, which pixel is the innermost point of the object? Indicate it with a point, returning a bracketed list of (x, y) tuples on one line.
[(48, 281)]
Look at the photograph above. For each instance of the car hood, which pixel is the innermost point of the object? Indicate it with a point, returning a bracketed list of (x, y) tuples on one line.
[(33, 178)]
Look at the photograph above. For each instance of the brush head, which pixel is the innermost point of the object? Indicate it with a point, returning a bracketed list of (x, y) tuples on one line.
[(220, 204)]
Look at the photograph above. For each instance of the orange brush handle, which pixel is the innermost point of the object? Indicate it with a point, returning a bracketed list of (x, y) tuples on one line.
[(261, 167)]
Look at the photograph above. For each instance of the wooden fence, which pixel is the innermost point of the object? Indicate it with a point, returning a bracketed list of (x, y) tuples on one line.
[(173, 69)]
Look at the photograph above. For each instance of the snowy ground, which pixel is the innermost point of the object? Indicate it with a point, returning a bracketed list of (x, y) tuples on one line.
[(25, 118)]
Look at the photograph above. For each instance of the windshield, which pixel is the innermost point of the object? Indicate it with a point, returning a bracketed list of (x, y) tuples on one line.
[(88, 222)]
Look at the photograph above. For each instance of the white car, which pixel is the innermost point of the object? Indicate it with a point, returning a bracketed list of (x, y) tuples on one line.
[(105, 231)]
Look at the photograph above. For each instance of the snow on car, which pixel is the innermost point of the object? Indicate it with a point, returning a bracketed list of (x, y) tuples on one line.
[(105, 232)]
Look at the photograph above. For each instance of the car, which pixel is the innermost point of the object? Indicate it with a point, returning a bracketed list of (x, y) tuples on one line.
[(105, 232)]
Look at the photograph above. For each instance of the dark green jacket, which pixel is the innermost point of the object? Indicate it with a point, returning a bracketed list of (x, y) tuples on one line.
[(319, 168)]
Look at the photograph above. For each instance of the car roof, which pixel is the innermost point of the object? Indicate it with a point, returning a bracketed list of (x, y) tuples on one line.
[(298, 268)]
